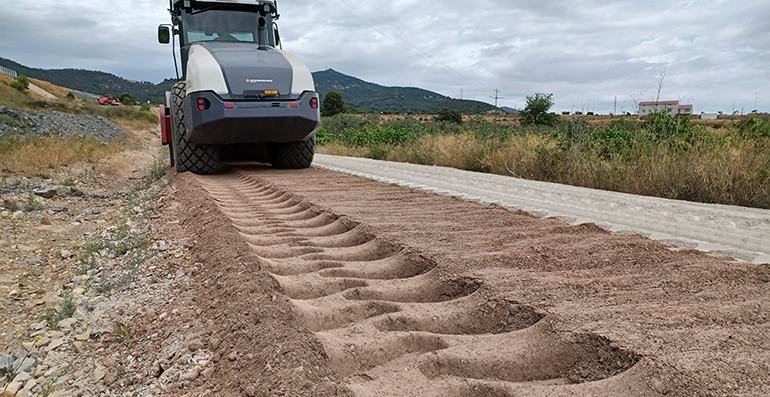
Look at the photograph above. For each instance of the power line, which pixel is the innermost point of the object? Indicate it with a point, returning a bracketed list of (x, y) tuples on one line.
[(497, 96)]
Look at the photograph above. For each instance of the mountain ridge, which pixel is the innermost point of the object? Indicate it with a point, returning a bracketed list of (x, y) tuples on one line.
[(366, 96)]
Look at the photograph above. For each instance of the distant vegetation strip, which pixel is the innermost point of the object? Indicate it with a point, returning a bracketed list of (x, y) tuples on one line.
[(726, 162)]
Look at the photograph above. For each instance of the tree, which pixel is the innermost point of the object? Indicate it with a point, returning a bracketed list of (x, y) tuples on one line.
[(332, 104), (349, 108), (451, 115), (70, 95), (21, 83), (536, 110), (126, 99)]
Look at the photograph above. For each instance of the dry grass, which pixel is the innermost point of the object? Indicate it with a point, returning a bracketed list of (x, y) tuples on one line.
[(12, 97), (55, 90), (338, 149), (131, 117), (36, 156), (736, 173)]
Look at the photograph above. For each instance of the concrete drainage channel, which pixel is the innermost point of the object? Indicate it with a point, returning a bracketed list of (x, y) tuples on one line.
[(738, 232), (389, 318)]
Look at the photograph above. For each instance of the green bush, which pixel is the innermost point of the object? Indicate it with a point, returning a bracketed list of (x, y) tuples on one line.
[(536, 110), (611, 141), (126, 99), (8, 120), (21, 84), (661, 125), (754, 128), (451, 115), (322, 137), (145, 107), (626, 125), (349, 108), (70, 95), (373, 134), (576, 128)]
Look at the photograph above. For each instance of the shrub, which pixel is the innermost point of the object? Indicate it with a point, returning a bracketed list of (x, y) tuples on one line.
[(8, 120), (626, 125), (373, 134), (145, 107), (21, 83), (126, 99), (576, 128), (451, 115), (70, 95), (661, 125), (536, 110), (340, 124), (349, 108), (754, 128), (611, 141), (322, 137)]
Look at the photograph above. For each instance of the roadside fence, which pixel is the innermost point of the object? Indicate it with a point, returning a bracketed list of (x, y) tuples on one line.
[(9, 72)]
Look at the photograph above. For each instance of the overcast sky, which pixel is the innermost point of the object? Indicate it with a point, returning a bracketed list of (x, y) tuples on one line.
[(715, 53)]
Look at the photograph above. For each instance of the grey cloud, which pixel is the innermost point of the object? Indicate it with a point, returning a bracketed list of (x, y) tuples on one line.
[(581, 50)]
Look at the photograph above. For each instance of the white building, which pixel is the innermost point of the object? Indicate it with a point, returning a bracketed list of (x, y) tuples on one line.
[(673, 108)]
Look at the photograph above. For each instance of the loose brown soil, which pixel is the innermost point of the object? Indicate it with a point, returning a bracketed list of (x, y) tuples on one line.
[(316, 283), (312, 283)]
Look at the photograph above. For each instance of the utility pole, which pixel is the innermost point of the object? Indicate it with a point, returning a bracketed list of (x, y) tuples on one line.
[(461, 93), (615, 109), (497, 96)]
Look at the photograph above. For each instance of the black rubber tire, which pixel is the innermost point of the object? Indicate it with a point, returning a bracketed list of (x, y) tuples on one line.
[(171, 152), (199, 159), (292, 155)]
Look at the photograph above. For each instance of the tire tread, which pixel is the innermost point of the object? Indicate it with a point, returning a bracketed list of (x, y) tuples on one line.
[(198, 159)]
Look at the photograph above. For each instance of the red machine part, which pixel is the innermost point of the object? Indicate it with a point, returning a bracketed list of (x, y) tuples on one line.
[(165, 125)]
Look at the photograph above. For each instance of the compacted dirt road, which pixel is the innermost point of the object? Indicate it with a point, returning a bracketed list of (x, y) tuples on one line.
[(318, 283)]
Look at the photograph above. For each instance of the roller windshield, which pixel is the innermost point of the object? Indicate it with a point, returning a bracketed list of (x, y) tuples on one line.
[(222, 25)]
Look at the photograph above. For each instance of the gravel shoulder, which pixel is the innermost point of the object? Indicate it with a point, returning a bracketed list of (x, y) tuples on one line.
[(740, 232), (67, 246)]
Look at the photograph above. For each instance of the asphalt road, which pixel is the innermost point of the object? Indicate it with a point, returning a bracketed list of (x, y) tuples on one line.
[(739, 232)]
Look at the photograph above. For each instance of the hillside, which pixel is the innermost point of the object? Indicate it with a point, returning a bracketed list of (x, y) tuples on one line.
[(368, 97), (94, 81), (374, 97)]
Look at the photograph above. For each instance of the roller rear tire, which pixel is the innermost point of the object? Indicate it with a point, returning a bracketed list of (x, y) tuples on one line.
[(292, 155), (198, 159)]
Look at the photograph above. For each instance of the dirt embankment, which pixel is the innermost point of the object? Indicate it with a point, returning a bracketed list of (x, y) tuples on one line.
[(68, 242)]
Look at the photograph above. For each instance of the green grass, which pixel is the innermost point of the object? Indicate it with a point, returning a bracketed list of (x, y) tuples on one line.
[(129, 241), (657, 156), (156, 171), (65, 310)]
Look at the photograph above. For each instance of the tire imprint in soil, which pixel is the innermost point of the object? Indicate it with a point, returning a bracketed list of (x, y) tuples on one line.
[(382, 310)]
